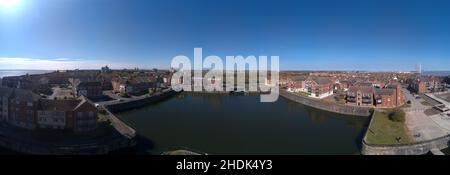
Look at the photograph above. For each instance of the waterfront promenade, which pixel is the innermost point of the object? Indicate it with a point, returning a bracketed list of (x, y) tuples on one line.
[(336, 108)]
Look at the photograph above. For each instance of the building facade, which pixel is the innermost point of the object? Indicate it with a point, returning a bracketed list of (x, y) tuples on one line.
[(89, 89), (24, 109), (369, 96)]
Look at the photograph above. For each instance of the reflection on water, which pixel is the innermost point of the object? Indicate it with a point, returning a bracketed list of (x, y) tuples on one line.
[(238, 124)]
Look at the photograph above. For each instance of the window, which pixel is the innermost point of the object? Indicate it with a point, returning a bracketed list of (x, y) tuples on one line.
[(30, 104), (91, 115), (80, 115)]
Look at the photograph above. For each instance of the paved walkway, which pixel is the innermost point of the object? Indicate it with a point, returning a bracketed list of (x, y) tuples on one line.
[(421, 126)]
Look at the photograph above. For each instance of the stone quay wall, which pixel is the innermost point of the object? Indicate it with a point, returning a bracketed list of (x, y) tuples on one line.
[(98, 147), (137, 103)]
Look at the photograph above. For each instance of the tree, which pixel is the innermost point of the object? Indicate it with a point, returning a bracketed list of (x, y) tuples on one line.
[(397, 115)]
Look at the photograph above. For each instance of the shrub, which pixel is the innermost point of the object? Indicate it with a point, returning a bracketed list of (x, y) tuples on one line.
[(397, 115)]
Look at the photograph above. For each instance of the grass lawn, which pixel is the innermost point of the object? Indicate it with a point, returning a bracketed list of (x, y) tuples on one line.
[(305, 94), (102, 118), (383, 130)]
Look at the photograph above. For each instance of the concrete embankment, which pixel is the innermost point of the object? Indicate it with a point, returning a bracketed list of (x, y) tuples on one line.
[(336, 108), (137, 103), (418, 148)]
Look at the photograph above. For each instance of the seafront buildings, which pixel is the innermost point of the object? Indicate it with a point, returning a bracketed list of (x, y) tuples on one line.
[(365, 89), (370, 95), (313, 86), (62, 100), (25, 109)]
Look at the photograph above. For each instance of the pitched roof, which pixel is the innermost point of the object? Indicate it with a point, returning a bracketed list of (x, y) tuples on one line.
[(392, 86), (385, 91), (321, 80), (362, 89), (63, 105), (89, 84), (5, 91), (58, 105), (83, 100), (298, 78), (363, 84), (25, 95)]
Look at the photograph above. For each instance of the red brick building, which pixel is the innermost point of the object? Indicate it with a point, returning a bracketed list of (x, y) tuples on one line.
[(316, 87), (366, 95), (92, 89), (78, 115), (22, 108), (385, 98), (418, 86), (360, 95)]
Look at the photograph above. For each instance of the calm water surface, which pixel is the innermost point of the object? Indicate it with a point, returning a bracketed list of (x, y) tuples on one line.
[(6, 73), (221, 124)]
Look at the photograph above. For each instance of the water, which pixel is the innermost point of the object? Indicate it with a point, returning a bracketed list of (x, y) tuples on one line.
[(437, 73), (6, 73), (218, 124)]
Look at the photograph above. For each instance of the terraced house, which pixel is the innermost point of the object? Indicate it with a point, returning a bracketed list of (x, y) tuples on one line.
[(74, 114), (313, 86), (22, 108), (360, 95), (91, 89), (366, 94), (25, 109), (5, 94), (319, 87)]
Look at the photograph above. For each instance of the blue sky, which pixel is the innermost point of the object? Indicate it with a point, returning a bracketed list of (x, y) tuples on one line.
[(307, 35)]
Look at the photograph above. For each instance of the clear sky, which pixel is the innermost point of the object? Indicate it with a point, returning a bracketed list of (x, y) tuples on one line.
[(316, 34)]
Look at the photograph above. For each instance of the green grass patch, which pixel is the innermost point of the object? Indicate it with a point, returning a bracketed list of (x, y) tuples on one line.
[(102, 118), (388, 127), (305, 94)]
